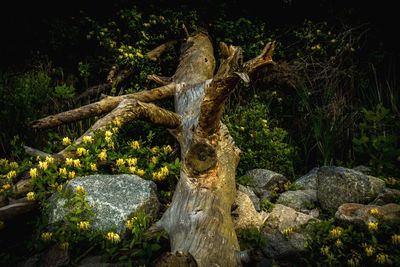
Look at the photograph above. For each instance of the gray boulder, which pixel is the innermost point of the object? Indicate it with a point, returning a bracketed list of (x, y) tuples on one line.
[(308, 181), (338, 185), (299, 199), (280, 244), (114, 199), (282, 217), (361, 214), (388, 195), (249, 192), (244, 214), (265, 180)]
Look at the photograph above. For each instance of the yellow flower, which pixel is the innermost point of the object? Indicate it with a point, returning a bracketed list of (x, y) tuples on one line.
[(60, 188), (120, 162), (31, 196), (373, 211), (382, 258), (154, 150), (129, 223), (288, 231), (117, 122), (108, 134), (102, 155), (49, 159), (62, 171), (164, 170), (154, 160), (71, 174), (69, 161), (80, 190), (47, 236), (138, 54), (325, 250), (339, 243), (66, 141), (135, 145), (132, 161), (157, 175), (140, 172), (336, 232), (11, 174), (83, 225), (13, 165), (132, 169), (81, 151), (167, 149), (372, 226), (77, 163), (33, 173), (6, 186), (64, 245), (43, 165), (115, 129), (396, 239), (369, 250), (93, 167), (113, 237), (87, 139)]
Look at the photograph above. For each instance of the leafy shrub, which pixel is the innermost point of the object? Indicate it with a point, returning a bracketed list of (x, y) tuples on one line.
[(377, 244), (377, 142), (262, 144)]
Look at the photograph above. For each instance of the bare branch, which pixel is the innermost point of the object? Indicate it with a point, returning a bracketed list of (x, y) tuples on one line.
[(261, 60), (35, 153), (103, 106), (230, 71), (159, 50), (129, 110), (113, 79), (159, 79), (12, 210)]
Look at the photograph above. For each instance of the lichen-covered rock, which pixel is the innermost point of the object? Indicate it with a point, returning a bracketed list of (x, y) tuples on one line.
[(308, 181), (248, 191), (338, 185), (361, 214), (388, 195), (279, 246), (282, 217), (114, 199), (244, 214), (299, 199), (263, 180), (285, 232)]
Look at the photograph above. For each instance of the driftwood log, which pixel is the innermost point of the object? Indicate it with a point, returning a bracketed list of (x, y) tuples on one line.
[(199, 220)]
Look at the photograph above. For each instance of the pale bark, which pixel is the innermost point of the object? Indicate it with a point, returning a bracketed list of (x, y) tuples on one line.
[(199, 220)]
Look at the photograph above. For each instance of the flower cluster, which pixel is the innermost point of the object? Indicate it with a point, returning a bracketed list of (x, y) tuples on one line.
[(113, 237)]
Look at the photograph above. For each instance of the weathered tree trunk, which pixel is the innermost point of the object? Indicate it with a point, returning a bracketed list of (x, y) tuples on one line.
[(199, 220)]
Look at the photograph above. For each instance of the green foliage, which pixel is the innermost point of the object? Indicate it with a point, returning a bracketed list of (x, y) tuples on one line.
[(262, 144), (372, 245), (251, 238), (251, 35), (266, 205), (64, 91), (377, 142), (137, 247), (104, 152)]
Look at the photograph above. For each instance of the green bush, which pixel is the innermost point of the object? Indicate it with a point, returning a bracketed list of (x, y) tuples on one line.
[(377, 141), (263, 145), (375, 244)]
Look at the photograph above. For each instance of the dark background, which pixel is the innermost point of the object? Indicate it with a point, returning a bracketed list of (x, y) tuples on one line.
[(25, 25)]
